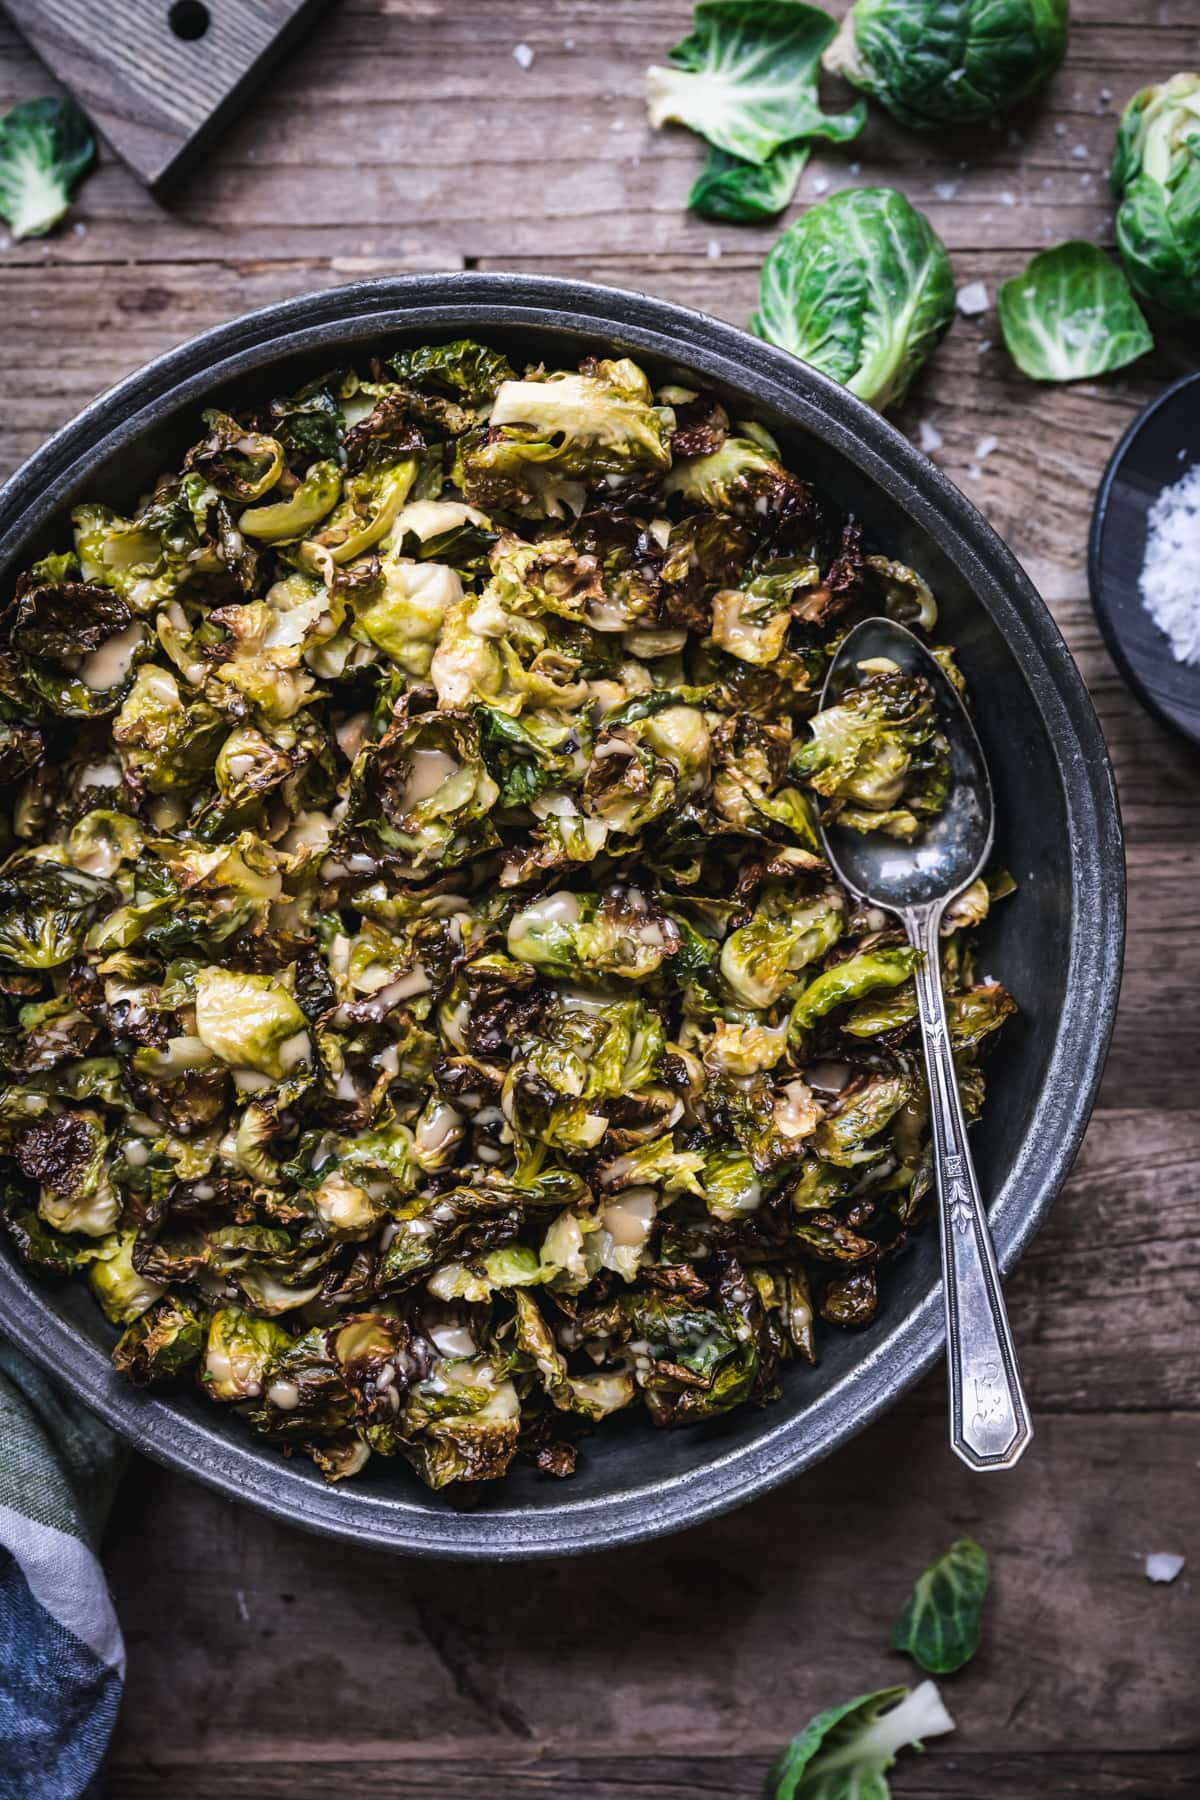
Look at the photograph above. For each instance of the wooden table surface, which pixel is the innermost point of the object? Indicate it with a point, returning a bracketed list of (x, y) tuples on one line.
[(403, 135)]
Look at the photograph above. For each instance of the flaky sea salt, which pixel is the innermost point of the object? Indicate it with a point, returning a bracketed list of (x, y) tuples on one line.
[(931, 438), (972, 299), (523, 56), (1163, 1565), (1170, 579)]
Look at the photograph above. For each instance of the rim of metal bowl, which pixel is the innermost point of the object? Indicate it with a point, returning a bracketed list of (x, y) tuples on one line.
[(441, 304)]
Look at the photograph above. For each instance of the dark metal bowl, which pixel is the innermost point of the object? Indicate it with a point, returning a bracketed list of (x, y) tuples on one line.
[(1056, 945)]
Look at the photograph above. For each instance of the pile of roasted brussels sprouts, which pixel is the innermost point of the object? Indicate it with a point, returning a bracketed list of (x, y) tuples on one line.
[(428, 1021)]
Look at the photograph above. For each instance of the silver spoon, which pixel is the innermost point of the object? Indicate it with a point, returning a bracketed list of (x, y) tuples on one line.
[(989, 1416)]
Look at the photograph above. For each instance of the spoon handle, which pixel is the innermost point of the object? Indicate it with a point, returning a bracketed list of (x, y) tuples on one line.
[(989, 1415)]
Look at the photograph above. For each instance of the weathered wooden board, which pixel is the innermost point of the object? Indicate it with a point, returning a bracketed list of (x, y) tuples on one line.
[(403, 135), (267, 1646), (160, 78)]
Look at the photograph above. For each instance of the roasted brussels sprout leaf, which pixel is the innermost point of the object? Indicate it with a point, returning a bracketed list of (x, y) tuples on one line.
[(746, 78), (846, 1752), (939, 1627), (427, 1021), (879, 756), (1071, 315), (1156, 178), (957, 63), (860, 287), (45, 147)]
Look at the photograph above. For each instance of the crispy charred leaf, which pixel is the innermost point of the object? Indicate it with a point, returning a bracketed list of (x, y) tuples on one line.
[(242, 465), (939, 1627), (701, 1361), (414, 876), (162, 1344), (851, 1299), (403, 420), (39, 1245), (463, 368), (46, 910), (422, 796)]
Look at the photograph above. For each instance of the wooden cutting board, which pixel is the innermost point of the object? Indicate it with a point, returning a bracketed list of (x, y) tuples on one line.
[(159, 78)]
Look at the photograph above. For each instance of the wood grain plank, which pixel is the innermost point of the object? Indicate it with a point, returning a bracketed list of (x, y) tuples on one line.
[(244, 1637), (940, 1775), (410, 128)]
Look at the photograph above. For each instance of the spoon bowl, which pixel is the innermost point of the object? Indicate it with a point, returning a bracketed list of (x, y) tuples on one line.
[(953, 848)]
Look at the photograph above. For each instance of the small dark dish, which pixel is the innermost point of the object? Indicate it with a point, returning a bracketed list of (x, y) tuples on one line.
[(1155, 452), (1056, 946)]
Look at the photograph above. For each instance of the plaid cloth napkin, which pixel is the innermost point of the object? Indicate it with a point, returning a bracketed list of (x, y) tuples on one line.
[(62, 1661)]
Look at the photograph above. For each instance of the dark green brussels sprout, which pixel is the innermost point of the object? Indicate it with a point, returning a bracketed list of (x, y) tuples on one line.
[(860, 287), (1156, 178), (427, 1021), (45, 147), (957, 62)]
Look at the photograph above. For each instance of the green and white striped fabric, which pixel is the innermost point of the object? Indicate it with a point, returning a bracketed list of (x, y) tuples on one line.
[(62, 1660)]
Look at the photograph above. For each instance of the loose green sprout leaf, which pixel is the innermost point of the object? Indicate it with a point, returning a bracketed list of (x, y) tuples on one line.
[(45, 147), (415, 870), (939, 1627), (746, 78), (1071, 315), (729, 187), (860, 287), (846, 1752), (957, 63), (1156, 177)]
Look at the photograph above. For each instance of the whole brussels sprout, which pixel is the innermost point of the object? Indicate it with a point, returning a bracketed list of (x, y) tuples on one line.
[(1156, 177), (952, 62)]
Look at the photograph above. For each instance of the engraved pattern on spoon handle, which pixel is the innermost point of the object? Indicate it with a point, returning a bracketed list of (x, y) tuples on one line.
[(989, 1415)]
